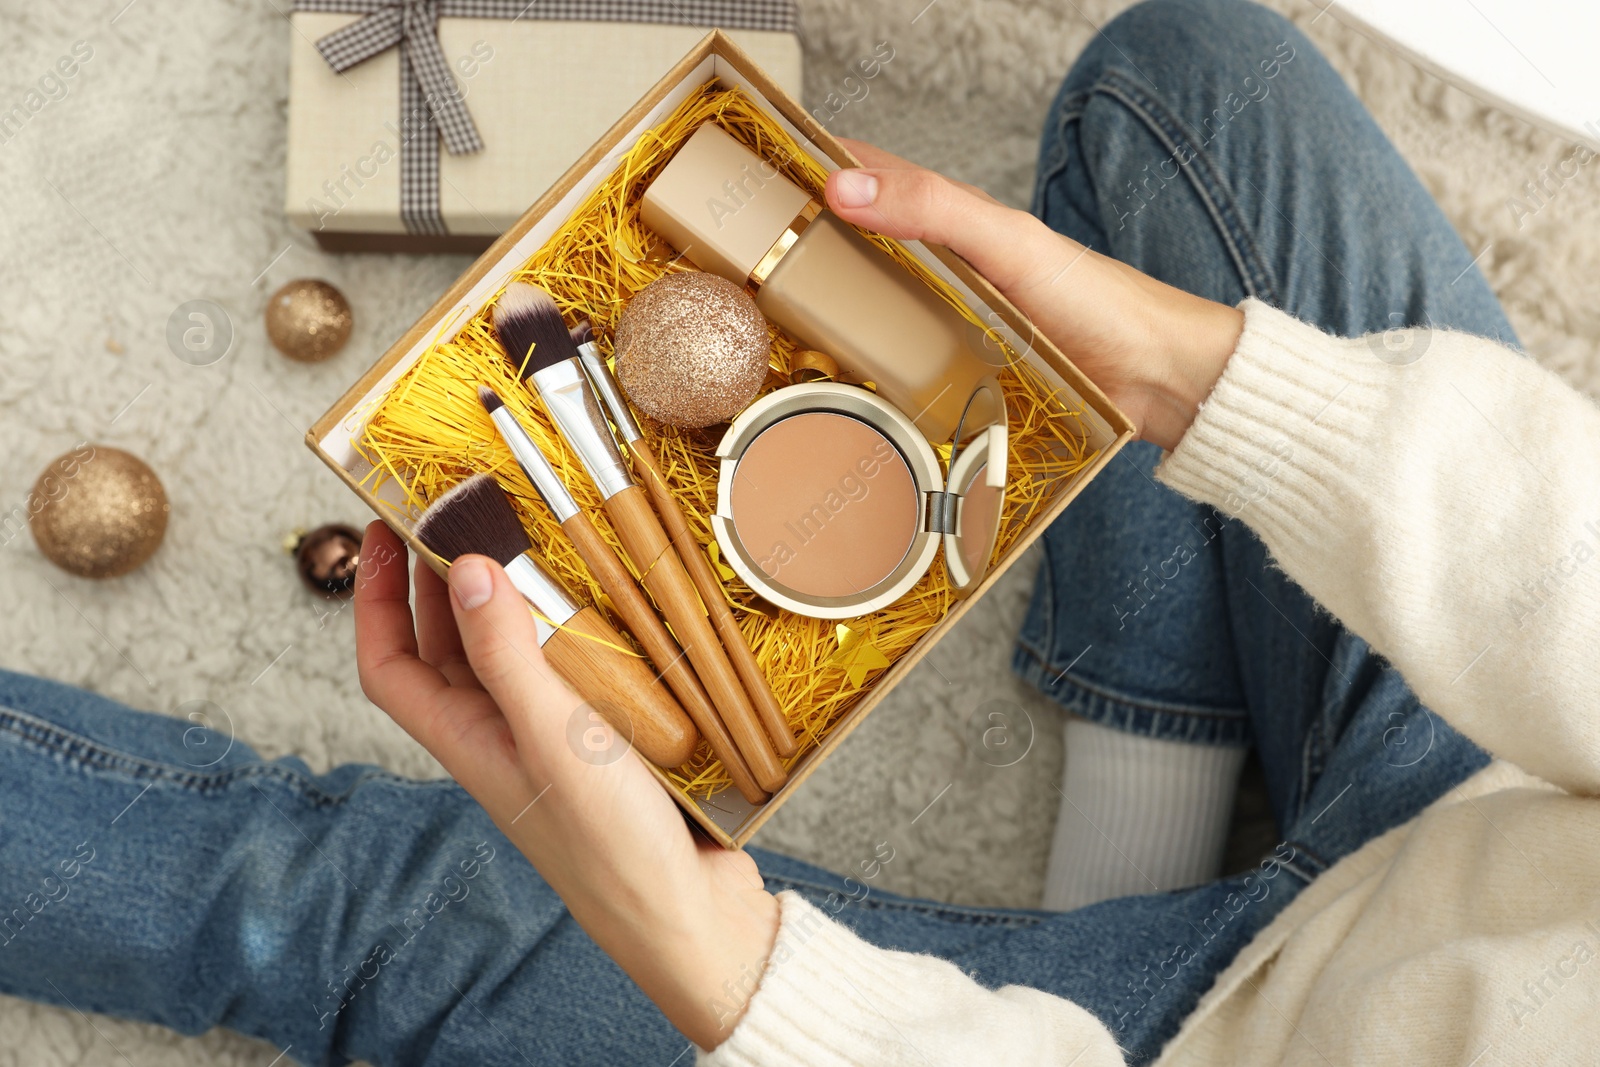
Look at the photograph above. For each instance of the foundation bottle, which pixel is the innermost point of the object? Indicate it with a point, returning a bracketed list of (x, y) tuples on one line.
[(732, 213)]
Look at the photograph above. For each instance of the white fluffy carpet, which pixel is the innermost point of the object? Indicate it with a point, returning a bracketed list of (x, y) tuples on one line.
[(158, 179)]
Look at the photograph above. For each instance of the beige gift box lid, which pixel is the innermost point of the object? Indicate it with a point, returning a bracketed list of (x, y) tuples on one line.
[(540, 92)]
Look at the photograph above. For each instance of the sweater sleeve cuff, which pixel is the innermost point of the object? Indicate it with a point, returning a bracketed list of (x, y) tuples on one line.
[(1259, 446), (829, 998)]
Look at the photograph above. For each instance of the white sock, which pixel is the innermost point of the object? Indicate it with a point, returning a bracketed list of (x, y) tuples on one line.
[(1138, 815)]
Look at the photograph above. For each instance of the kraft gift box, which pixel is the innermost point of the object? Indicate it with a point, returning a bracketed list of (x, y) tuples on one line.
[(538, 85), (726, 817)]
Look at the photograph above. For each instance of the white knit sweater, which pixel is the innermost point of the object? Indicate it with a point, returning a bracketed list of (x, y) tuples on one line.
[(1447, 511)]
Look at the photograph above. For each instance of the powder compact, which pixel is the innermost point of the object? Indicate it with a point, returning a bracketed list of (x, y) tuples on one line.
[(831, 503)]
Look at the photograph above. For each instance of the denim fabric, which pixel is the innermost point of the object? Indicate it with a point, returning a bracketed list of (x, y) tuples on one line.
[(157, 870), (1165, 618)]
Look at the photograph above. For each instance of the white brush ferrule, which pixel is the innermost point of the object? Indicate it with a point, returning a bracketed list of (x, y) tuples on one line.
[(539, 588), (570, 399), (605, 383), (534, 464)]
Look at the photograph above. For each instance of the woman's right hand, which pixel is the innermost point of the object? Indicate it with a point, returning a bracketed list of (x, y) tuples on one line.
[(1155, 350)]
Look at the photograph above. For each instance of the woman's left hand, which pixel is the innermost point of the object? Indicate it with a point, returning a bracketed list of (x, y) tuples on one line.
[(467, 680)]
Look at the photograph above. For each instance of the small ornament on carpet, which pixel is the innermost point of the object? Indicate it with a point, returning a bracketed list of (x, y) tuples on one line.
[(308, 320), (98, 512), (327, 558)]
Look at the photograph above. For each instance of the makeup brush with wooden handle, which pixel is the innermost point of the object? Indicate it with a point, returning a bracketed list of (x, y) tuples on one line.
[(537, 343), (476, 517), (624, 592), (689, 550)]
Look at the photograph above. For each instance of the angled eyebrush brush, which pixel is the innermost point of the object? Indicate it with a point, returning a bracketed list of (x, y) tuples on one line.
[(538, 345), (624, 592), (476, 517), (689, 550)]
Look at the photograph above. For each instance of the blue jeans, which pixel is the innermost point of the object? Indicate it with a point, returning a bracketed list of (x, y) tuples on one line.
[(154, 870)]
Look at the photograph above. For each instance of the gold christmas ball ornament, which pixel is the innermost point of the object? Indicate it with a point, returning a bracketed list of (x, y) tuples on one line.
[(327, 559), (692, 349), (308, 320), (98, 512)]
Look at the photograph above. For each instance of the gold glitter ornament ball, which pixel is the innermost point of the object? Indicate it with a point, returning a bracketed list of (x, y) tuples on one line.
[(98, 512), (692, 349), (308, 320)]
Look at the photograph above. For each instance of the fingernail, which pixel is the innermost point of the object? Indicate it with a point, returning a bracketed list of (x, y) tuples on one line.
[(857, 188), (471, 582)]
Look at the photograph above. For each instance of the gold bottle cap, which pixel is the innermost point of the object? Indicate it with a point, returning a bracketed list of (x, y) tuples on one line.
[(791, 233)]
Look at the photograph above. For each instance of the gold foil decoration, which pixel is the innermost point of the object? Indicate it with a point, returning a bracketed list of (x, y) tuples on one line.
[(809, 365), (308, 320), (727, 573), (856, 655), (98, 512)]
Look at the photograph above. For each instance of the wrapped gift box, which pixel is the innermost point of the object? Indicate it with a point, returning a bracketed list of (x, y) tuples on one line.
[(538, 85), (335, 438)]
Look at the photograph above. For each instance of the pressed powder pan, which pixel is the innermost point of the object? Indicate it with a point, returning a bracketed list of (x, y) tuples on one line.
[(831, 503), (829, 499)]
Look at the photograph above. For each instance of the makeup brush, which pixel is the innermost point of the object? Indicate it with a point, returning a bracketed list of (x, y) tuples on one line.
[(476, 517), (624, 592), (537, 343), (694, 558)]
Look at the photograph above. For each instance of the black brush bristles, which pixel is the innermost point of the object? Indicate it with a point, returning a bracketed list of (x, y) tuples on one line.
[(530, 329), (490, 399), (474, 517), (582, 333)]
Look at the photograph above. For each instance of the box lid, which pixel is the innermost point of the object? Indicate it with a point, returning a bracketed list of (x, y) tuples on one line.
[(540, 93)]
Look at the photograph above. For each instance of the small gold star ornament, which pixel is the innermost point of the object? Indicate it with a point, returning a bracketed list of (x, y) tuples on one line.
[(856, 654)]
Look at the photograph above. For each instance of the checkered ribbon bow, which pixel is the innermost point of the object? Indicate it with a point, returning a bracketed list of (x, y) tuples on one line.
[(431, 106)]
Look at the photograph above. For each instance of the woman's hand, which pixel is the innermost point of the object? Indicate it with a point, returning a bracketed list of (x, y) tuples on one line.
[(1156, 351), (679, 914)]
